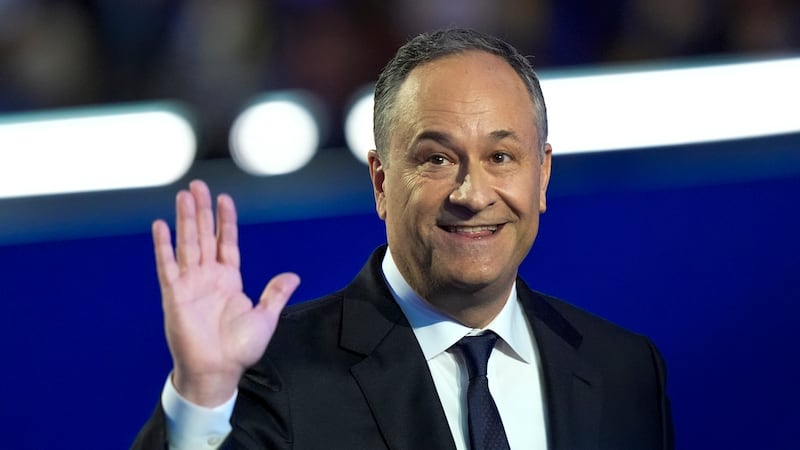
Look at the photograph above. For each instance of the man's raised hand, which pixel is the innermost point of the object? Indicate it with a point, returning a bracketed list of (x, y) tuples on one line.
[(213, 329)]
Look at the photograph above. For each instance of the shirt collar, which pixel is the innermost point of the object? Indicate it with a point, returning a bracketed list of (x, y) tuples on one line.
[(437, 332)]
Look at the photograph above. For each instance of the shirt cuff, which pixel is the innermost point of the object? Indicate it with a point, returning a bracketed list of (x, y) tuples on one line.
[(190, 426)]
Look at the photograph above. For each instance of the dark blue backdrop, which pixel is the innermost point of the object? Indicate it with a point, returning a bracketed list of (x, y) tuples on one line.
[(696, 247)]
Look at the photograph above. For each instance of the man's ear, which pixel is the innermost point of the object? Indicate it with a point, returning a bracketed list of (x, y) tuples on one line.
[(544, 176), (377, 172)]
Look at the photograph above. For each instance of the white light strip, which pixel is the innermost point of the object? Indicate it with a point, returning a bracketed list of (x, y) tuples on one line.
[(278, 134), (655, 108), (83, 150), (651, 108), (358, 124)]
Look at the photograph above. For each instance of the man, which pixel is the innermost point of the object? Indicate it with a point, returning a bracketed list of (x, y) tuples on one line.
[(459, 176)]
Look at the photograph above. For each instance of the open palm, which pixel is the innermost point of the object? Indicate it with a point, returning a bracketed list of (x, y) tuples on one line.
[(213, 329)]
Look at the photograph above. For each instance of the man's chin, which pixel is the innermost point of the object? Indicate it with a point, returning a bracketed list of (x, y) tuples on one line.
[(467, 282)]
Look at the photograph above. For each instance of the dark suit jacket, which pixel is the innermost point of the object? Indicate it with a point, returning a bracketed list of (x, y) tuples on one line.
[(346, 372)]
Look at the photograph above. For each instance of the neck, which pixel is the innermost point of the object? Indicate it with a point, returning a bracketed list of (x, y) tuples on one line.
[(474, 309)]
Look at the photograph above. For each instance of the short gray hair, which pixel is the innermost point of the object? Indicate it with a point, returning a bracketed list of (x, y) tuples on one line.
[(429, 47)]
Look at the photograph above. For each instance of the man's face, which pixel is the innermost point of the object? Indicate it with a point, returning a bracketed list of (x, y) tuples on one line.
[(464, 185)]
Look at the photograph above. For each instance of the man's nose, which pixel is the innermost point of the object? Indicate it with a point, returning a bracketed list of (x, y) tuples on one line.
[(475, 190)]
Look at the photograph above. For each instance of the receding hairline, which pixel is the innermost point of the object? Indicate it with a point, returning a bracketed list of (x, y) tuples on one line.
[(395, 102), (433, 46)]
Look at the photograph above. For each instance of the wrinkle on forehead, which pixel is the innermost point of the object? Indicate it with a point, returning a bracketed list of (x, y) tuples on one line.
[(470, 91)]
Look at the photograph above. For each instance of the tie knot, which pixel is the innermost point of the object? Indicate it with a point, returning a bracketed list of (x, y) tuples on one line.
[(476, 351)]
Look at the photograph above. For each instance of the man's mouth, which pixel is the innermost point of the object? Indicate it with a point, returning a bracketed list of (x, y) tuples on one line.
[(480, 230)]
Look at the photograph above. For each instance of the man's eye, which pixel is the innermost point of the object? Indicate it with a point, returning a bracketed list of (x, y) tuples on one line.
[(438, 160), (501, 157)]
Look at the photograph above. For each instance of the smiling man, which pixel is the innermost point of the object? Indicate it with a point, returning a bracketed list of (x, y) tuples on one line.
[(436, 344), (461, 182)]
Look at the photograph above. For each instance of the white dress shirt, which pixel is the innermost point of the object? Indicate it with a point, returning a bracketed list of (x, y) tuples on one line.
[(513, 369), (513, 373), (194, 427)]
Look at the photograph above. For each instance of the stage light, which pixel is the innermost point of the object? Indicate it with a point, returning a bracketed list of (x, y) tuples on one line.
[(654, 108), (94, 149), (358, 124), (277, 134), (615, 109)]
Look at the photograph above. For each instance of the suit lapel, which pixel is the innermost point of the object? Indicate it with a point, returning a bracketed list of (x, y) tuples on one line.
[(393, 376), (399, 390), (573, 390)]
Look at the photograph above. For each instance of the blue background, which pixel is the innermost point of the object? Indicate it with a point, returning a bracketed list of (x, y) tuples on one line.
[(695, 246)]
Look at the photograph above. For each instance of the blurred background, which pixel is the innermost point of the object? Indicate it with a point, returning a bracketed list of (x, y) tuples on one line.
[(694, 245), (216, 55)]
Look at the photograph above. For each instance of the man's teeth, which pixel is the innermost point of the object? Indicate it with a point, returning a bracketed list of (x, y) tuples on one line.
[(454, 229)]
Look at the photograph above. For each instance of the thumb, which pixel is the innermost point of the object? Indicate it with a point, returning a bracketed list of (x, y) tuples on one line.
[(278, 291)]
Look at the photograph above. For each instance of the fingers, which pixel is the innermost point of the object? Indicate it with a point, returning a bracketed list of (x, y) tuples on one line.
[(205, 221), (277, 293), (188, 246), (196, 241), (166, 266), (227, 232)]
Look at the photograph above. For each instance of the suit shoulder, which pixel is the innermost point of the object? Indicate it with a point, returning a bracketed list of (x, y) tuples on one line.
[(585, 322), (309, 309), (599, 340), (307, 327)]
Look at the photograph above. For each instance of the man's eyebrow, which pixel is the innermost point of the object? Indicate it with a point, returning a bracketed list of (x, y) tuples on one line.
[(499, 135), (439, 137), (444, 139)]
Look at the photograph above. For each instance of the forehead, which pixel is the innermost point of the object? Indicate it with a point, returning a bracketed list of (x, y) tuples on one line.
[(472, 89)]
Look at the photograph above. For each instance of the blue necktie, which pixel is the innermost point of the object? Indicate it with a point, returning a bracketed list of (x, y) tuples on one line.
[(486, 430)]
